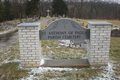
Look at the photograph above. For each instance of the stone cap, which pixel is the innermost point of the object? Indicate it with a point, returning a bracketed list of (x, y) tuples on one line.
[(28, 24), (98, 23)]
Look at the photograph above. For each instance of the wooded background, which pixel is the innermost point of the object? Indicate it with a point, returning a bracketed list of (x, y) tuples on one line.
[(95, 9)]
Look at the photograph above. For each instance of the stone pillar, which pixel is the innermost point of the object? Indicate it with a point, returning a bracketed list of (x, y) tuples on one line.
[(30, 45), (99, 43)]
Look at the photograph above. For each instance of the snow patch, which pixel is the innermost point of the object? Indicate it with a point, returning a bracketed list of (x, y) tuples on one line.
[(42, 62)]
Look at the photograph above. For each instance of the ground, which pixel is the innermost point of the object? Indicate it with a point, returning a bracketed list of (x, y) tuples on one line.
[(11, 69)]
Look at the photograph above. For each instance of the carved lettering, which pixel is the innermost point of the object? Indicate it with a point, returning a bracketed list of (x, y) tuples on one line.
[(57, 33), (54, 37), (71, 37)]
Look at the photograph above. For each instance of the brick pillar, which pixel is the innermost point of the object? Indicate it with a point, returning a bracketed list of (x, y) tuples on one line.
[(99, 43), (30, 45)]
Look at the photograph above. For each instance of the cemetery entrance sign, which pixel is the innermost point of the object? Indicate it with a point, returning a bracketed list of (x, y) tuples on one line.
[(30, 37), (64, 29)]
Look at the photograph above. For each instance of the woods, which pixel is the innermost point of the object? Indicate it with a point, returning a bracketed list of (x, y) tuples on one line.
[(59, 7), (94, 9)]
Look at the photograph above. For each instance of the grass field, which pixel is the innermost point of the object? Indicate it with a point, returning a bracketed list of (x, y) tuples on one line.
[(114, 22), (10, 67)]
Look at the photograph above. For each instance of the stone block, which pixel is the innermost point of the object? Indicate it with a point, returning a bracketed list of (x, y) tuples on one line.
[(27, 51), (98, 41), (98, 56), (94, 54), (26, 30), (26, 41), (29, 28), (105, 61), (94, 34), (103, 34), (32, 63), (36, 43), (100, 37), (97, 61), (27, 66), (102, 64), (106, 36), (21, 45), (103, 29), (34, 30), (30, 38), (23, 53), (25, 58), (31, 48), (98, 51), (30, 33), (27, 45), (24, 63), (106, 31), (37, 28), (94, 59), (26, 35), (23, 48), (101, 59), (32, 53), (95, 29), (107, 26), (28, 60), (31, 43), (35, 46), (27, 55), (21, 28), (102, 44), (34, 35), (22, 38), (31, 58), (93, 44), (109, 29), (34, 40), (36, 65), (99, 46), (99, 31)]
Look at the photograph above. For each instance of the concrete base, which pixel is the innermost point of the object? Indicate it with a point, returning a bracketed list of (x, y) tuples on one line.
[(66, 63)]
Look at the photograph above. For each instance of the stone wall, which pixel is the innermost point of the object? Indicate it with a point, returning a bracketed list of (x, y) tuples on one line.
[(30, 44), (99, 43)]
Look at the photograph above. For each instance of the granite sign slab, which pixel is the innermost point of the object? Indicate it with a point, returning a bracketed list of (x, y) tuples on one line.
[(115, 33), (64, 29)]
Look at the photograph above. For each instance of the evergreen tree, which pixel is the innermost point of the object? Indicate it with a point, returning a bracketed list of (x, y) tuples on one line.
[(32, 7), (59, 7), (28, 8), (1, 11), (15, 10), (7, 6)]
